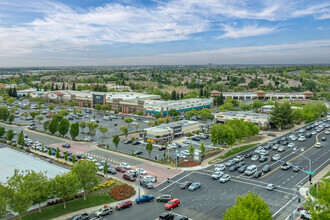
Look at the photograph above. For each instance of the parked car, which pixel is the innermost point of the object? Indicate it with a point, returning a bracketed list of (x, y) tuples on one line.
[(233, 168), (304, 214), (216, 175), (242, 168), (147, 184), (257, 174), (166, 216), (164, 198), (111, 170), (224, 178), (241, 164), (120, 169), (129, 177), (248, 155), (136, 142), (230, 163), (106, 210), (255, 157), (266, 168), (138, 152), (271, 134), (318, 145), (238, 158), (185, 185), (172, 204), (181, 217), (194, 186), (150, 178), (323, 139), (250, 170), (124, 204), (291, 145), (195, 139), (144, 198), (141, 171), (125, 166), (281, 149), (263, 152), (84, 216), (275, 147), (128, 141), (219, 167), (301, 139)]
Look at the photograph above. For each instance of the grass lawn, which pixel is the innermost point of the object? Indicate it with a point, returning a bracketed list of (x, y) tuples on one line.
[(237, 150), (312, 191), (71, 206)]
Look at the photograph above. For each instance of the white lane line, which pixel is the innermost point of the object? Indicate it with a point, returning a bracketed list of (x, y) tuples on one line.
[(175, 181), (282, 208), (260, 186), (257, 181)]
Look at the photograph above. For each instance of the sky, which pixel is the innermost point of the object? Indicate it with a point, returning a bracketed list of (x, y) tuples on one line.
[(160, 32)]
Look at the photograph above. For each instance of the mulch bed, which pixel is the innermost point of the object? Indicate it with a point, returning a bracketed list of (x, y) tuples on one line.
[(189, 164)]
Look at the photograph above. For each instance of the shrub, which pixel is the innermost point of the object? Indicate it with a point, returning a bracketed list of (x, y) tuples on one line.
[(122, 192)]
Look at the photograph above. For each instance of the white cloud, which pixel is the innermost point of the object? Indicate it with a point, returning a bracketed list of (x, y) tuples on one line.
[(319, 11), (246, 31)]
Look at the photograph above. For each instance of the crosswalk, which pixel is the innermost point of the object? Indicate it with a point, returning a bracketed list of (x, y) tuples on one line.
[(100, 157)]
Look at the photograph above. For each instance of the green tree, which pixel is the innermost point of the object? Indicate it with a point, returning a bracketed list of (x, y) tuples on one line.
[(2, 131), (245, 107), (64, 126), (10, 135), (66, 186), (46, 125), (74, 130), (20, 196), (73, 86), (57, 153), (11, 118), (86, 172), (150, 123), (51, 106), (105, 169), (53, 125), (256, 104), (222, 134), (74, 159), (4, 113), (50, 152), (248, 207), (281, 115), (319, 206), (173, 113), (124, 129), (38, 185), (98, 107), (202, 147), (82, 125), (66, 155), (33, 114), (128, 121), (77, 111), (149, 148), (206, 114), (40, 118), (191, 113), (191, 150), (20, 139), (10, 101), (3, 201), (106, 107), (116, 140), (91, 126), (158, 115), (103, 130), (137, 126)]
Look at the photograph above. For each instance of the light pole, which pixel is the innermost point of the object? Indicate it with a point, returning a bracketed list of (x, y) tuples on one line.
[(139, 180), (310, 169)]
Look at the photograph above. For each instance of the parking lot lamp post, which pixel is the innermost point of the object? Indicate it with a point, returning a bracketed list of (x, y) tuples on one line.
[(139, 180), (310, 169)]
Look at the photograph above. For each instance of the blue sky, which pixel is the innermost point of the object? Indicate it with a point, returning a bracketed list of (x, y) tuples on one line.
[(152, 32)]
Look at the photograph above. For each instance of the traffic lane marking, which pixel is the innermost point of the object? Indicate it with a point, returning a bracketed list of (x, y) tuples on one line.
[(175, 182), (282, 207)]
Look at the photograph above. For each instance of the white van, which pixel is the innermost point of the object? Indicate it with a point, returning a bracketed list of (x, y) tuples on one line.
[(250, 170)]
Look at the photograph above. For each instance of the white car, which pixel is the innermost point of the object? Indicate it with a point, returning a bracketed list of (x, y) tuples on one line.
[(141, 171), (263, 152), (224, 178), (172, 146), (185, 152), (217, 175), (150, 178), (301, 139), (318, 145), (238, 158), (126, 166), (293, 138), (276, 157), (219, 167), (146, 122), (91, 159), (327, 132), (134, 123), (255, 157), (291, 144), (259, 149)]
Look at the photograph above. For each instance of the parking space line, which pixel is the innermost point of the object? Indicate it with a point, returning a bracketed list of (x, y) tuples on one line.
[(175, 181)]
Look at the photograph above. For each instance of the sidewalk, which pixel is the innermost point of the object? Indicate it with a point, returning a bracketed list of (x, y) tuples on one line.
[(304, 190), (267, 138), (92, 210)]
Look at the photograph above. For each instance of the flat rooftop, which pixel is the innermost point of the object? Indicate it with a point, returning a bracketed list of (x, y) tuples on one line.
[(11, 159), (243, 114), (163, 127)]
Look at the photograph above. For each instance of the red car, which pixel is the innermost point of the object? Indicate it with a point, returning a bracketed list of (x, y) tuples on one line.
[(129, 177), (172, 204), (120, 169), (124, 204)]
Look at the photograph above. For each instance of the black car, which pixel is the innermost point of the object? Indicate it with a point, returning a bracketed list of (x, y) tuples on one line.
[(138, 152), (323, 139), (166, 216), (80, 156), (308, 135), (241, 164), (185, 185), (233, 168), (66, 145), (248, 155), (161, 148), (263, 158), (266, 169), (136, 142), (257, 174), (284, 138), (181, 217), (284, 142), (271, 134), (128, 141), (242, 168), (267, 146), (308, 128)]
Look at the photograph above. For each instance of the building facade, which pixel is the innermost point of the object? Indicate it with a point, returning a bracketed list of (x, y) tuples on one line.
[(163, 107), (165, 133), (261, 120)]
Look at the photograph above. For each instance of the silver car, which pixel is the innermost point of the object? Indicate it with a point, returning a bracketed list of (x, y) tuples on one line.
[(291, 144), (216, 175), (276, 157), (224, 178), (255, 157)]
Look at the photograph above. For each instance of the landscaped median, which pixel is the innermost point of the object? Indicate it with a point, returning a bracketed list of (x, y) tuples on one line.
[(109, 191), (234, 151)]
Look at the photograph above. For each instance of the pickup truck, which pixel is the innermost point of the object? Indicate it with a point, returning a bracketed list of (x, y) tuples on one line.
[(166, 216), (286, 166), (84, 216), (106, 210), (144, 198)]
